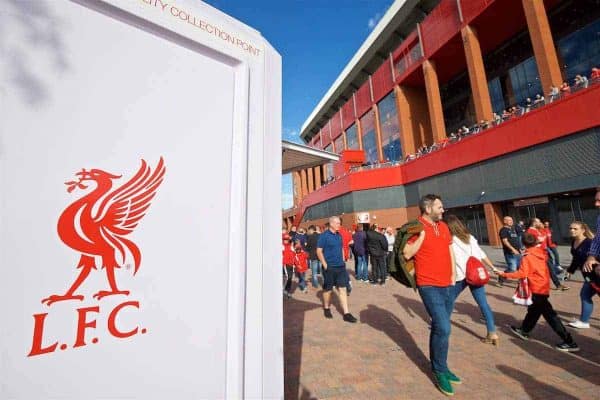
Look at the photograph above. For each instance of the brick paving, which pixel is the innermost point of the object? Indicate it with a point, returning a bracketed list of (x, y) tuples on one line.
[(385, 355)]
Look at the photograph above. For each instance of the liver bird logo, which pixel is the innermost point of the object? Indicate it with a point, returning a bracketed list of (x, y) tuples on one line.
[(97, 225)]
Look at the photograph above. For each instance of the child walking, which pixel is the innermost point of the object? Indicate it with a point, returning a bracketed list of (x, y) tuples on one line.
[(534, 268), (289, 258), (301, 265)]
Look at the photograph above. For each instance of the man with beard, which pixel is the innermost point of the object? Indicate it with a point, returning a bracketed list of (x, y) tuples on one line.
[(435, 275)]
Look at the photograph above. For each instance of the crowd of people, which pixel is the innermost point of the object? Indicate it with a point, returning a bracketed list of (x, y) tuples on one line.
[(445, 255), (580, 82)]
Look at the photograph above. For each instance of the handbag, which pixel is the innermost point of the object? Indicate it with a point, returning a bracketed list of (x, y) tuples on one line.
[(476, 274), (522, 294)]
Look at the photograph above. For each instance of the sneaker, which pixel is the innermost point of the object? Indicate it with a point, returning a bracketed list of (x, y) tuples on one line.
[(519, 332), (443, 384), (327, 313), (350, 318), (453, 378), (579, 324), (569, 347)]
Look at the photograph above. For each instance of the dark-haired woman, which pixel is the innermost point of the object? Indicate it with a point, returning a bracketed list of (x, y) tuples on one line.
[(464, 245), (580, 247)]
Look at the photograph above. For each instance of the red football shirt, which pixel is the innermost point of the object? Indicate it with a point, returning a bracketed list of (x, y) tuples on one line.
[(541, 237), (433, 263)]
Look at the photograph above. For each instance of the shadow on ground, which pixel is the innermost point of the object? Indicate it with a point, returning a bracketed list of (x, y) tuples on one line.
[(292, 344)]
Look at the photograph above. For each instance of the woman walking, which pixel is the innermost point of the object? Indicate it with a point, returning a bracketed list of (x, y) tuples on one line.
[(464, 245), (580, 247)]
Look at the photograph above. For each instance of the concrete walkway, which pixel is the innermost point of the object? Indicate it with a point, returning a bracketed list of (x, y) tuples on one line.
[(386, 355)]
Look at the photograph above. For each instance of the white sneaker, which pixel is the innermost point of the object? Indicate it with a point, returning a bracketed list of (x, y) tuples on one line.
[(579, 324)]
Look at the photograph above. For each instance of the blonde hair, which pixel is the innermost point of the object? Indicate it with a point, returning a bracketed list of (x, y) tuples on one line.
[(587, 232)]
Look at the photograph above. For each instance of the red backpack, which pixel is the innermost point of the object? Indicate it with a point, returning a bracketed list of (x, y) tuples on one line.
[(476, 274)]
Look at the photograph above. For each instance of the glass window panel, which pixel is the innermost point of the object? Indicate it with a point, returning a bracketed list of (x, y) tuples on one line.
[(338, 144), (525, 80), (580, 51), (369, 141), (390, 131), (352, 138), (328, 166)]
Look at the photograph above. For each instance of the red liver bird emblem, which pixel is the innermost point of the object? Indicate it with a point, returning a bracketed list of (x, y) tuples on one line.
[(96, 225)]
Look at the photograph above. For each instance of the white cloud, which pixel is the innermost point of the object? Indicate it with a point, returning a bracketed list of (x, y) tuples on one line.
[(293, 135), (374, 20)]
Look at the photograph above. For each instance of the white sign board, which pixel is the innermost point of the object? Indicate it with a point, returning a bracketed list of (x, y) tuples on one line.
[(363, 218), (139, 181)]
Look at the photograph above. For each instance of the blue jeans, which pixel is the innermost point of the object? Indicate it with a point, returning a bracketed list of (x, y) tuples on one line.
[(301, 280), (587, 305), (478, 293), (362, 268), (553, 272), (553, 253), (512, 262), (438, 302), (315, 268)]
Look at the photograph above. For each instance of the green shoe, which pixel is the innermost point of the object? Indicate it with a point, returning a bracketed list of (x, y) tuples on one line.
[(442, 383), (453, 378)]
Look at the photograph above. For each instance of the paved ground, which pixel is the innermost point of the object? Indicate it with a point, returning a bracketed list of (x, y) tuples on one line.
[(385, 355)]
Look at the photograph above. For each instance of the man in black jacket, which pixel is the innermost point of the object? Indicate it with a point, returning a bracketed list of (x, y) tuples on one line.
[(311, 247), (378, 246)]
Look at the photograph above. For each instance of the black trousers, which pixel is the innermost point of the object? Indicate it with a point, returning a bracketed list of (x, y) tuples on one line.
[(542, 307), (290, 273), (379, 271)]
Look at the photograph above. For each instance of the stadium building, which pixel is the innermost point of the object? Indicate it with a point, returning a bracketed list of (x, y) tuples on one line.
[(442, 98)]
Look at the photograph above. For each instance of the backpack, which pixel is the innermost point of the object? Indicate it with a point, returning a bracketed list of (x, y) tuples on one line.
[(476, 274)]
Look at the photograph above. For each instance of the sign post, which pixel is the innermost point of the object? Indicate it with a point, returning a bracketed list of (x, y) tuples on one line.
[(139, 151)]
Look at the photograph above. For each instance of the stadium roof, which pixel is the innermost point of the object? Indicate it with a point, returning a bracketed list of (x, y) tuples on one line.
[(295, 157), (398, 22)]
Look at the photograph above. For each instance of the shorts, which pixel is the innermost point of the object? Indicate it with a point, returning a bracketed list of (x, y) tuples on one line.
[(335, 276)]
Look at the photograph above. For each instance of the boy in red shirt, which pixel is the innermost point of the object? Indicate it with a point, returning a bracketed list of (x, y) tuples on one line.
[(533, 267), (301, 265)]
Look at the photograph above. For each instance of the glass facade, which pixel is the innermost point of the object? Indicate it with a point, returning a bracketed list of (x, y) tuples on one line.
[(474, 219), (457, 103), (560, 210), (338, 144), (329, 166), (580, 51), (496, 96), (525, 81), (352, 138), (369, 140), (512, 72), (390, 131)]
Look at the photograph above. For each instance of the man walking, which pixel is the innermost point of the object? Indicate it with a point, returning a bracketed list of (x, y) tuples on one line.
[(329, 252), (435, 273), (377, 246), (311, 248), (360, 252), (511, 246)]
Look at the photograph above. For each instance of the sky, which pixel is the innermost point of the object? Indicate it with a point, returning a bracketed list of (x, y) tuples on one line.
[(316, 39)]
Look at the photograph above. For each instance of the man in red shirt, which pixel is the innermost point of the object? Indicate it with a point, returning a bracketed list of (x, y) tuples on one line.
[(552, 250), (434, 270), (536, 228)]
